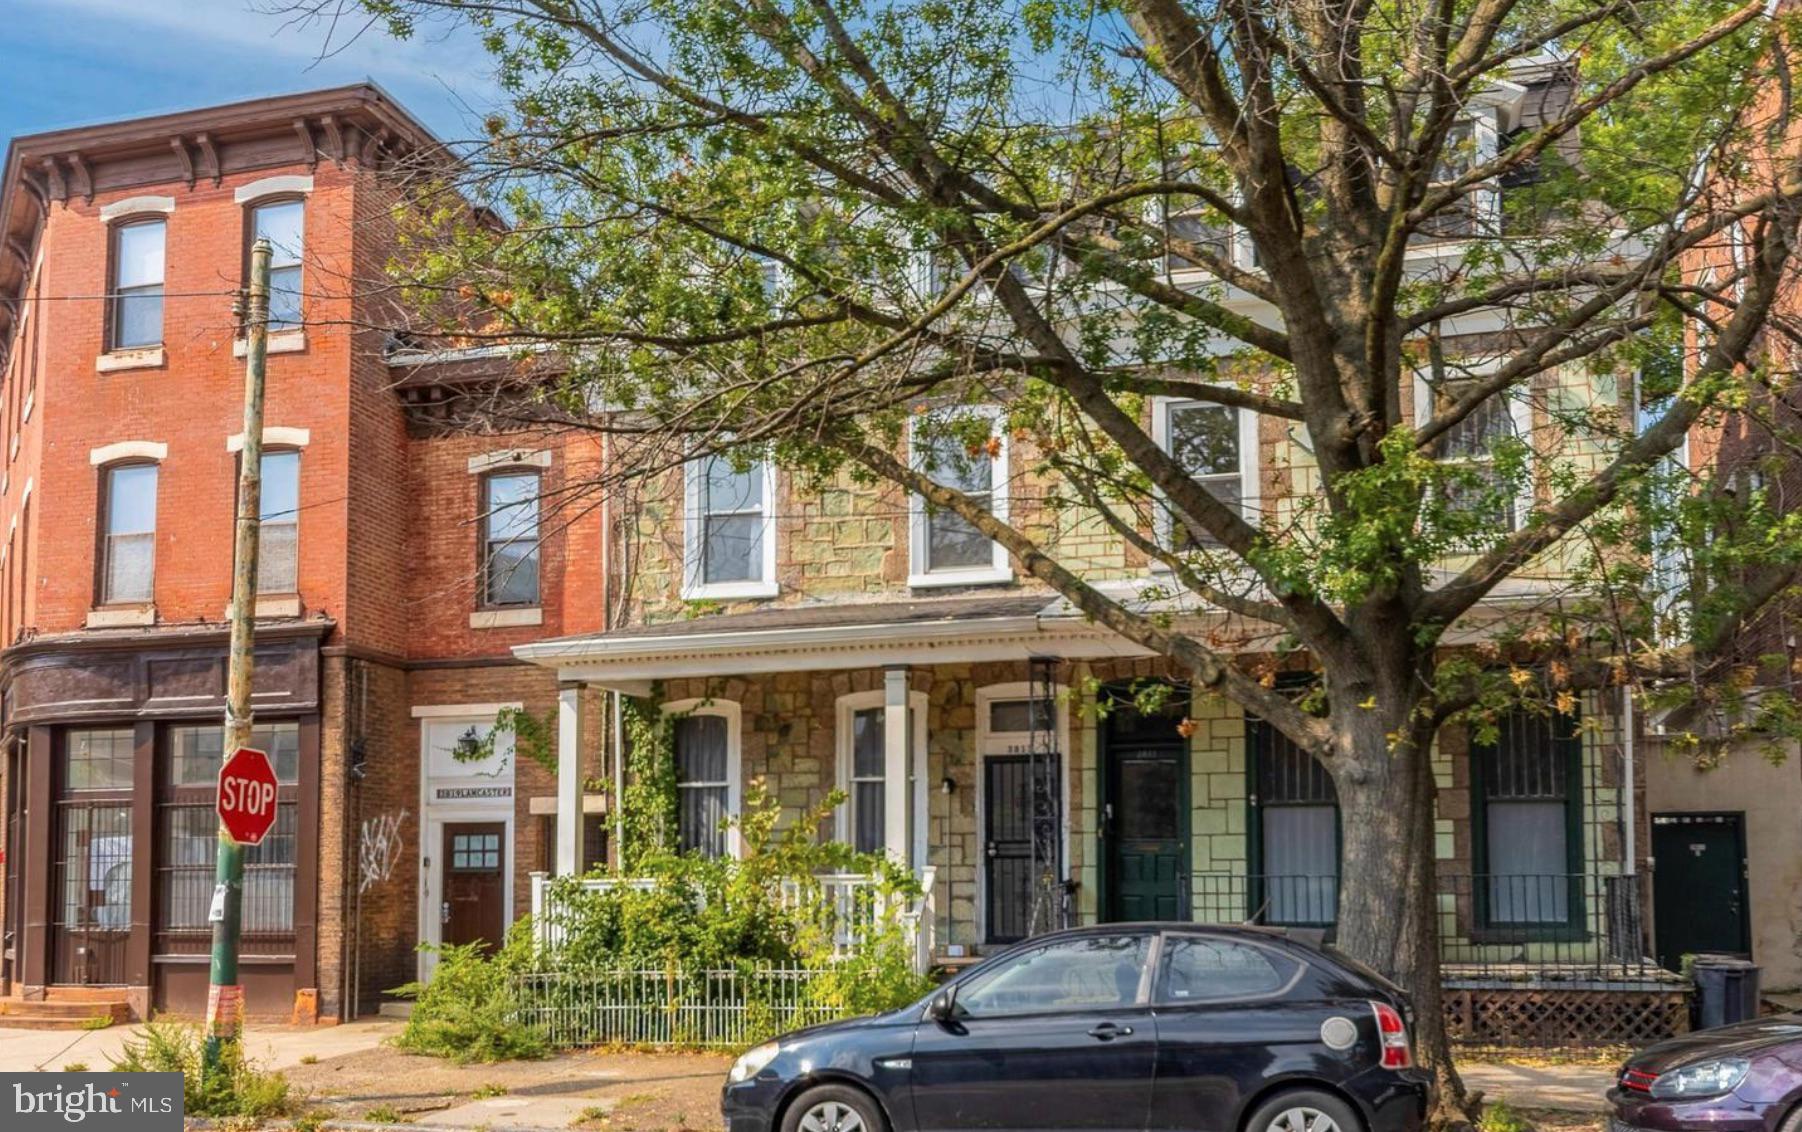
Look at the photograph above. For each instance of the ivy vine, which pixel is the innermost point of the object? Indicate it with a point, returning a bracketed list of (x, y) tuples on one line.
[(651, 804)]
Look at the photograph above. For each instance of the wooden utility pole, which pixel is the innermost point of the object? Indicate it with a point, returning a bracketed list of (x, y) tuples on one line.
[(225, 992)]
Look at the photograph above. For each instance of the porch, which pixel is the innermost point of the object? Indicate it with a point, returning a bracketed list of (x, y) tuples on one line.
[(993, 745)]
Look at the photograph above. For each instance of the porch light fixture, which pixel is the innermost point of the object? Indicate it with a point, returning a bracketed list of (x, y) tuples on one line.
[(469, 746), (948, 784)]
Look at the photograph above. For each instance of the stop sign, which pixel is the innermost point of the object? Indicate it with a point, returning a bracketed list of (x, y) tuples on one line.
[(247, 791)]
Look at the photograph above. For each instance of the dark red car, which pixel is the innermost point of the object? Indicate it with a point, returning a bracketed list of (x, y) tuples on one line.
[(1746, 1077)]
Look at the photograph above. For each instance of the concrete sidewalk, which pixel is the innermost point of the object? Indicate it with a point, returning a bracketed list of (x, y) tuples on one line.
[(270, 1047), (1570, 1088)]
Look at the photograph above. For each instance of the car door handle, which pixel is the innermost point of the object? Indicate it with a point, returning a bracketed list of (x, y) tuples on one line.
[(1107, 1032)]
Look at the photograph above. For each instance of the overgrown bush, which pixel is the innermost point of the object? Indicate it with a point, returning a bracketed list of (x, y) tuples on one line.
[(238, 1089), (690, 912), (683, 913), (467, 1011)]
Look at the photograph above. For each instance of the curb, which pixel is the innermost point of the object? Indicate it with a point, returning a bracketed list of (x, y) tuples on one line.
[(333, 1125)]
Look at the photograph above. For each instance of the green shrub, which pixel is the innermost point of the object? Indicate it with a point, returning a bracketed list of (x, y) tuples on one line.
[(466, 1013), (683, 914), (1498, 1117), (239, 1089)]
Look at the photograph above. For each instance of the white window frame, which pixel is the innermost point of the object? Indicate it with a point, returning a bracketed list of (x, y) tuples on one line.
[(1520, 409), (1250, 498), (920, 573), (848, 705), (694, 535), (733, 714)]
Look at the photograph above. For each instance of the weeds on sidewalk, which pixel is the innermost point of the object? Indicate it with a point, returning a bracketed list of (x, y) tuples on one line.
[(240, 1089)]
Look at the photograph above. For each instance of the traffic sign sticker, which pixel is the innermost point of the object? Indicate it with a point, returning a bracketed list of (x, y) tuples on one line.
[(247, 790)]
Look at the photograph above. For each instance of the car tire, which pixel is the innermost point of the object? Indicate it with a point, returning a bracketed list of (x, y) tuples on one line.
[(834, 1108), (1304, 1110)]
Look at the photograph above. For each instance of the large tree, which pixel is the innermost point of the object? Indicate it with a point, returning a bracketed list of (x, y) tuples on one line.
[(787, 225)]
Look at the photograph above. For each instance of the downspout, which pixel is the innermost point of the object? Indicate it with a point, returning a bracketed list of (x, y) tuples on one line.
[(615, 737), (1629, 818)]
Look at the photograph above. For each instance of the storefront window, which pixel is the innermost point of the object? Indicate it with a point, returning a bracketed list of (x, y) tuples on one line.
[(187, 842)]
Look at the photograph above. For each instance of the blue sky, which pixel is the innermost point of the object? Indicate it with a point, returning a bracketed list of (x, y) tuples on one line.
[(77, 62)]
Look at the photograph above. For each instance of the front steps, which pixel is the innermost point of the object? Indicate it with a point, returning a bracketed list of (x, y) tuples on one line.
[(67, 1008)]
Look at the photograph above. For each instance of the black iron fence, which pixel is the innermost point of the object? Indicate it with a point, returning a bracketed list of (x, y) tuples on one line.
[(1514, 926)]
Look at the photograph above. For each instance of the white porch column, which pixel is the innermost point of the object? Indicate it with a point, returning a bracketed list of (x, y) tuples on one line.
[(569, 780), (897, 767)]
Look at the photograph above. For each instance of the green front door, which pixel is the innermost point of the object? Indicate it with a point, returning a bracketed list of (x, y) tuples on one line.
[(1145, 823), (1699, 886)]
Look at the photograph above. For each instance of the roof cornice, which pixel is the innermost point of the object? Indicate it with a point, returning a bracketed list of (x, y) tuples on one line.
[(357, 124)]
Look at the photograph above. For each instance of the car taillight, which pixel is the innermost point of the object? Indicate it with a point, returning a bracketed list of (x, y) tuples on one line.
[(1393, 1033)]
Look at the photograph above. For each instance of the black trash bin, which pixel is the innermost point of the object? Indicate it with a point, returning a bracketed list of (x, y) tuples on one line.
[(1726, 990)]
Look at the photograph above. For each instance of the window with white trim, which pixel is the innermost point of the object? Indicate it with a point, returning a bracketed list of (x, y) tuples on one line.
[(867, 780), (946, 548), (702, 787), (1211, 444), (705, 738), (730, 544)]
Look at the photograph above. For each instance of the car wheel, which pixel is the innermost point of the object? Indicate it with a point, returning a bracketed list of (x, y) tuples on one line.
[(1304, 1110), (834, 1108)]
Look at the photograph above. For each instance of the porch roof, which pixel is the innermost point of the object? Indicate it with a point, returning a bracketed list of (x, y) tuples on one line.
[(861, 634)]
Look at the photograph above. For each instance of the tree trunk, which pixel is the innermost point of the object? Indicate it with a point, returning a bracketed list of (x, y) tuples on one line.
[(1388, 894)]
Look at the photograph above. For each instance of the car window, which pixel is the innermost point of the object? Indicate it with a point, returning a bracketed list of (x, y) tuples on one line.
[(1209, 968), (1087, 973)]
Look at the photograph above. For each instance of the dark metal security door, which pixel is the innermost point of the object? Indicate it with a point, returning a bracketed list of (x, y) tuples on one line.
[(1699, 886), (475, 860), (1008, 804), (92, 857)]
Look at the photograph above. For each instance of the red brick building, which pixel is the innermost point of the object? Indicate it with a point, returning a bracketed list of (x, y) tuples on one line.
[(400, 566)]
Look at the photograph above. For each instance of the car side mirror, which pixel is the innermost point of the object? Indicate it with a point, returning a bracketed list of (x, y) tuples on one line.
[(942, 1007)]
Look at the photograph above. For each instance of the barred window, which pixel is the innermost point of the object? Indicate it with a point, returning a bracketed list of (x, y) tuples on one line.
[(187, 842), (1528, 805), (1298, 819)]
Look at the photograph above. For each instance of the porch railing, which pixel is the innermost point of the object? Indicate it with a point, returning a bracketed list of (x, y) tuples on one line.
[(1517, 927), (850, 907)]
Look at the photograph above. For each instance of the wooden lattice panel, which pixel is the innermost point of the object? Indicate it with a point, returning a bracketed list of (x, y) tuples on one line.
[(1554, 1017)]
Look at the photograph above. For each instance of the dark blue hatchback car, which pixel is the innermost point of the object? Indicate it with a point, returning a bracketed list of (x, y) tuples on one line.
[(1119, 1027)]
